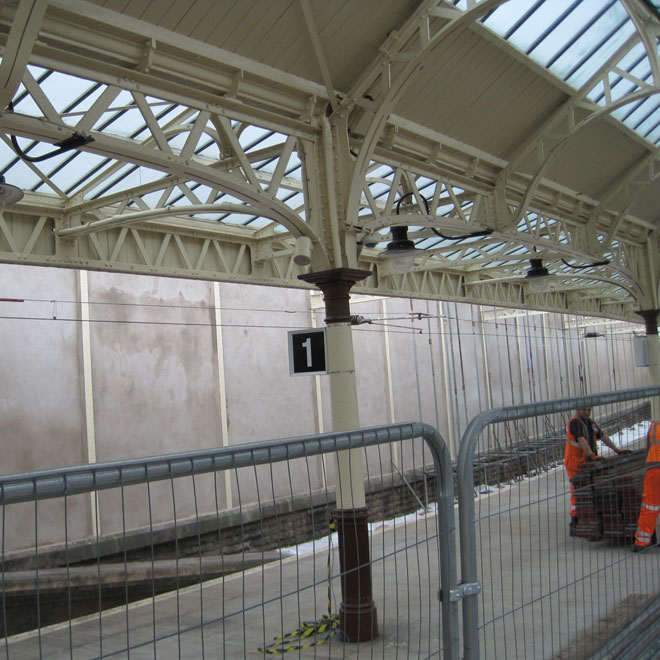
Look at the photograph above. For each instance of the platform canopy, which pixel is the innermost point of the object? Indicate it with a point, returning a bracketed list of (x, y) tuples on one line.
[(513, 144)]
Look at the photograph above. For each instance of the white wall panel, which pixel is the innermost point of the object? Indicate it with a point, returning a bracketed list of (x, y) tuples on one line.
[(157, 387)]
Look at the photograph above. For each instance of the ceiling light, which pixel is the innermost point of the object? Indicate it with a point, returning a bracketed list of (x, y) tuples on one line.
[(537, 276), (9, 194), (400, 251), (302, 255)]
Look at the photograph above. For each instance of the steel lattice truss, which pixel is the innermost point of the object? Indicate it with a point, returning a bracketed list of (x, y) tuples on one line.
[(204, 163)]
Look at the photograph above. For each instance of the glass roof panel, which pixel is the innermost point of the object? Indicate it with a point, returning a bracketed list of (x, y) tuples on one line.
[(21, 174), (267, 165), (522, 23), (62, 176), (295, 168), (257, 222), (127, 177), (646, 116), (82, 103), (590, 63), (177, 141), (267, 139), (654, 135), (60, 95), (586, 26), (25, 104), (122, 118), (571, 38), (425, 243), (237, 218), (378, 189), (574, 39), (209, 149)]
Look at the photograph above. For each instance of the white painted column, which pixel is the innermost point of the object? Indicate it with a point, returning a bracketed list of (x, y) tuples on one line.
[(316, 303), (222, 386), (388, 365), (357, 611), (653, 346), (484, 348), (451, 440), (345, 415), (88, 389)]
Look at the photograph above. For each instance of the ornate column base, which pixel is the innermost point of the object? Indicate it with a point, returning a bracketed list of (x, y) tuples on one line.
[(357, 612)]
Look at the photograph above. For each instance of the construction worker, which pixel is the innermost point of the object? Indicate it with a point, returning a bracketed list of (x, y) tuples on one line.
[(650, 508), (582, 433)]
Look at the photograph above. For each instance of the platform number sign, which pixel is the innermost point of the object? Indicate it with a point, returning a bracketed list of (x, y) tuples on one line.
[(307, 352)]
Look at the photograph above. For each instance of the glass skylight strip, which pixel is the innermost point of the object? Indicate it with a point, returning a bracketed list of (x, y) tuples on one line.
[(523, 19), (580, 33), (600, 52), (551, 27), (572, 39), (129, 176)]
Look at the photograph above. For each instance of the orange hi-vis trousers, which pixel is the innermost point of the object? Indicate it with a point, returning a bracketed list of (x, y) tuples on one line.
[(648, 512), (572, 511)]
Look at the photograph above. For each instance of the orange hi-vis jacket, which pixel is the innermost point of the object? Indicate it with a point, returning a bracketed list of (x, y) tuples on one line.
[(574, 455), (650, 508), (653, 455)]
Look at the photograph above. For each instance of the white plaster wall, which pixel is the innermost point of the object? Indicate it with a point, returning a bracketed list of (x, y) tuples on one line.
[(154, 390), (153, 366), (40, 389), (263, 401), (370, 365), (157, 378), (41, 423)]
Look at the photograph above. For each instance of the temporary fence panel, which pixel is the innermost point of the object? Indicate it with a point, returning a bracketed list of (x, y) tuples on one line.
[(260, 579), (540, 589)]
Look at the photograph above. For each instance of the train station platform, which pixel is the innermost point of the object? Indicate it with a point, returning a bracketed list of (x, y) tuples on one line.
[(544, 594)]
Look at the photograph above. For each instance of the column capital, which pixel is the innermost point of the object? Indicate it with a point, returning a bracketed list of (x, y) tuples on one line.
[(650, 317), (336, 285)]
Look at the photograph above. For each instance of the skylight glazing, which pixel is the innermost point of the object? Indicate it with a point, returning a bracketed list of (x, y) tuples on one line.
[(149, 121), (574, 39), (570, 38)]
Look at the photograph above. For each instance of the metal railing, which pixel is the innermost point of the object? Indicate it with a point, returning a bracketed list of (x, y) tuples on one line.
[(541, 592), (213, 583), (176, 574)]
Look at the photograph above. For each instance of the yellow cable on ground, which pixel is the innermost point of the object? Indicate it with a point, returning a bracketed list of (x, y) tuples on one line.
[(328, 624)]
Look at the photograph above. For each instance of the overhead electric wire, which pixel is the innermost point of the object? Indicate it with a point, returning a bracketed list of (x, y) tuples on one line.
[(380, 321), (386, 327), (395, 316)]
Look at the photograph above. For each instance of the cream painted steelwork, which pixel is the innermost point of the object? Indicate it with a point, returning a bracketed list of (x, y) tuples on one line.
[(213, 135)]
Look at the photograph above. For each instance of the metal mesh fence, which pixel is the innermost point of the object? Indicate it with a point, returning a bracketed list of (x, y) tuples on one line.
[(139, 559), (142, 558), (549, 590)]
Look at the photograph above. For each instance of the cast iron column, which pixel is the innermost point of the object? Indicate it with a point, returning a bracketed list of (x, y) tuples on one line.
[(357, 611), (650, 317)]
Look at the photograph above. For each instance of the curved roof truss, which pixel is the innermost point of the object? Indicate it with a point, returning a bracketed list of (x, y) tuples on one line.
[(204, 147)]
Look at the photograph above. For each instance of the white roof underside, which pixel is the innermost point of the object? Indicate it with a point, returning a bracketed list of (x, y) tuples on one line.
[(536, 121)]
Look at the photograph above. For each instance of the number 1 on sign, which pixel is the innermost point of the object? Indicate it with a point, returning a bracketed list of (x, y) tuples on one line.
[(307, 345)]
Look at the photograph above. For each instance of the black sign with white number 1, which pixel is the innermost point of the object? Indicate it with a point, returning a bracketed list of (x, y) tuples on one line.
[(307, 352)]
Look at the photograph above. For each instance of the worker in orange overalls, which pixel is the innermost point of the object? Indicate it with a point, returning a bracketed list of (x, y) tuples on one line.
[(581, 436), (650, 508)]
